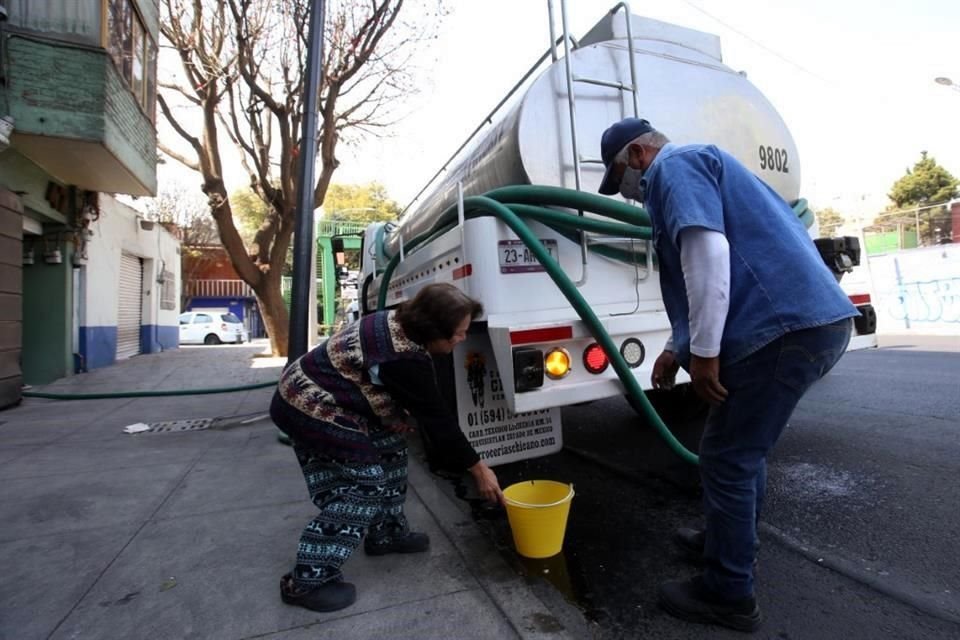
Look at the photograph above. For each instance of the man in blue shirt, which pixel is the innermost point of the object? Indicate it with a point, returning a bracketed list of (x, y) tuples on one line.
[(756, 318)]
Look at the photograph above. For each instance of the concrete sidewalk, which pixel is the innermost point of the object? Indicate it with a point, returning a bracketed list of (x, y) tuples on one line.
[(185, 534)]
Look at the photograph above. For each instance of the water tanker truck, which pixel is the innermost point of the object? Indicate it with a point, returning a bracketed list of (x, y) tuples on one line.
[(572, 304)]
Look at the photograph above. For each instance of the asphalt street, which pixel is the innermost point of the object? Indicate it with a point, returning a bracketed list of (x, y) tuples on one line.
[(860, 528)]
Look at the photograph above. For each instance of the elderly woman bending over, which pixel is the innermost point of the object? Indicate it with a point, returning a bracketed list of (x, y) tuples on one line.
[(346, 406)]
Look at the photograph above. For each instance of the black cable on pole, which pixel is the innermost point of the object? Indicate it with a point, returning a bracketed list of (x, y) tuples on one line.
[(303, 229)]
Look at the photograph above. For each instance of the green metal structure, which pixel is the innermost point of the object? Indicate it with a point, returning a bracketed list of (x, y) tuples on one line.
[(344, 234)]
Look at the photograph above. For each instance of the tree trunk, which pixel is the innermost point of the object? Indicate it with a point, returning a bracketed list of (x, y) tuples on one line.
[(275, 316)]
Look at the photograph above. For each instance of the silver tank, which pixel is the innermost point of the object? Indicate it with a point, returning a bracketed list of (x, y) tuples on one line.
[(684, 90)]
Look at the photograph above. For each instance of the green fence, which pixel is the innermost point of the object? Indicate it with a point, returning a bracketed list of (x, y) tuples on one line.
[(889, 241)]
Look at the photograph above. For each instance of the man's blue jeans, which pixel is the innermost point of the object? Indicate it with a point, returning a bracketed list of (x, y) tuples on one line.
[(763, 390)]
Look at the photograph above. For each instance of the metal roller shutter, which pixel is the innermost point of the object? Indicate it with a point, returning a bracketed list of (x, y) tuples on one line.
[(130, 303)]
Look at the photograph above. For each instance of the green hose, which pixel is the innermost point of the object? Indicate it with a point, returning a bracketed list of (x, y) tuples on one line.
[(554, 218), (568, 225), (146, 394), (520, 198), (579, 200), (556, 273)]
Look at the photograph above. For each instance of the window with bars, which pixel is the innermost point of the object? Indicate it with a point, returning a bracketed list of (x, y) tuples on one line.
[(134, 52)]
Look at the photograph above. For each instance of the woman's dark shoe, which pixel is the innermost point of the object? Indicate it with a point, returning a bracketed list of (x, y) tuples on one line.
[(330, 596), (690, 600), (411, 542)]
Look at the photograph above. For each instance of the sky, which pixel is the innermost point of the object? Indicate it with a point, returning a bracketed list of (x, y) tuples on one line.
[(852, 79)]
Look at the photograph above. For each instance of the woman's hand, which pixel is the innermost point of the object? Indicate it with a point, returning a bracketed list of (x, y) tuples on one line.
[(487, 483)]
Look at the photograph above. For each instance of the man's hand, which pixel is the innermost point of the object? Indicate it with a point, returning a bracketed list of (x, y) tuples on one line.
[(665, 371), (705, 376), (487, 483)]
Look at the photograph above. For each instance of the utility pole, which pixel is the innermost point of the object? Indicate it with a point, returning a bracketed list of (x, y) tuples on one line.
[(303, 228)]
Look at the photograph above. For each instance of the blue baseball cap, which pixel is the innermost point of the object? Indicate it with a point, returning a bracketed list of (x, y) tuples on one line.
[(615, 138)]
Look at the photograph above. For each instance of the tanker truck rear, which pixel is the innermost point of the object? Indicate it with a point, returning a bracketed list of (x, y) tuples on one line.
[(531, 352)]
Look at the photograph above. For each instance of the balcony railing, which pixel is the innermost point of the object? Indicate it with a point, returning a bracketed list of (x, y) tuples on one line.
[(218, 289)]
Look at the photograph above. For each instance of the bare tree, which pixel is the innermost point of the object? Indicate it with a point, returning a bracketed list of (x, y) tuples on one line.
[(185, 215), (243, 80)]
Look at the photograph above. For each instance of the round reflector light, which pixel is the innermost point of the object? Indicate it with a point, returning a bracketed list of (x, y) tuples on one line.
[(594, 359), (557, 363), (633, 352)]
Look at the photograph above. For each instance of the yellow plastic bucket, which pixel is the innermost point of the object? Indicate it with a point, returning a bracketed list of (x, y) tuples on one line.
[(537, 511)]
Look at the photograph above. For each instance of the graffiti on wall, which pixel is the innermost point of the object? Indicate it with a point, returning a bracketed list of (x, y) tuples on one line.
[(918, 289), (926, 301)]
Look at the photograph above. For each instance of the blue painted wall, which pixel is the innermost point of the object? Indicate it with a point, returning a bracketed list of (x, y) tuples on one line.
[(98, 346), (155, 338)]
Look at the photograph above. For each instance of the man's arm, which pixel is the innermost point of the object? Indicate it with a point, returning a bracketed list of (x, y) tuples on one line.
[(705, 259)]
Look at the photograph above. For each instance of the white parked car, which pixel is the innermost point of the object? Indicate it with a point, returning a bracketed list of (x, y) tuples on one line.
[(211, 327)]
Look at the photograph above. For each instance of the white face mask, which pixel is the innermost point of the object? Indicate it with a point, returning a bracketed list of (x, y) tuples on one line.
[(630, 186)]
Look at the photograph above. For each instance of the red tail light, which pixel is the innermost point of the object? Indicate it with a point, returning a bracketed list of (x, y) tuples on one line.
[(594, 359)]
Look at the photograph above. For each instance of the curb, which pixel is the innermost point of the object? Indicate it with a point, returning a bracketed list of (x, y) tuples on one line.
[(535, 614)]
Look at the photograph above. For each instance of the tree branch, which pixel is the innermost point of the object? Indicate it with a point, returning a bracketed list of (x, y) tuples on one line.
[(167, 151), (183, 133), (244, 58), (183, 92)]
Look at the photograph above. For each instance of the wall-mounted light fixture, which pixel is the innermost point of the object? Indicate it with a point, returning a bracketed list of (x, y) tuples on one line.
[(51, 250)]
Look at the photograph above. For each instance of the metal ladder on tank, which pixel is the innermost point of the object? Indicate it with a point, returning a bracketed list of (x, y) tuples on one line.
[(578, 159)]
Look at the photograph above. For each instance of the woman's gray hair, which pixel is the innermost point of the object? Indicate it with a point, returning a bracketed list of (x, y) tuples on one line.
[(436, 312), (653, 139)]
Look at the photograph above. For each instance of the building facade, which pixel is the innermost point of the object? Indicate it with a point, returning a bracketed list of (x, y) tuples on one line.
[(140, 261), (77, 121)]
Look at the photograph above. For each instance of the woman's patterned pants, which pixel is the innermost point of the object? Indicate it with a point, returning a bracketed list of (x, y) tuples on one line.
[(355, 499)]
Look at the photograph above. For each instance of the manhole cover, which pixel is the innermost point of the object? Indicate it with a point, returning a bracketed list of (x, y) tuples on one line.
[(174, 426)]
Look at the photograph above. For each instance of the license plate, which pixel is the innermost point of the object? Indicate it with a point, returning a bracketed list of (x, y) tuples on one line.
[(516, 257)]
